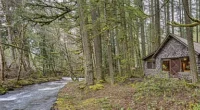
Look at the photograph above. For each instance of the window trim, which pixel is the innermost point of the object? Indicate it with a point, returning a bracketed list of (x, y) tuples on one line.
[(164, 60), (152, 64), (187, 61)]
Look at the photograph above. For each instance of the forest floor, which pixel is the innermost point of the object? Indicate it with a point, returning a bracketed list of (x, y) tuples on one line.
[(145, 94), (11, 84)]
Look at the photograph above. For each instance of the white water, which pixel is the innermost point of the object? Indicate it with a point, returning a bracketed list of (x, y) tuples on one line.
[(33, 97)]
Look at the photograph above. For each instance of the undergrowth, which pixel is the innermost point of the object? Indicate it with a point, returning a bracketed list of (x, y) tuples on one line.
[(155, 91), (160, 86), (96, 87), (149, 94), (195, 107), (2, 90)]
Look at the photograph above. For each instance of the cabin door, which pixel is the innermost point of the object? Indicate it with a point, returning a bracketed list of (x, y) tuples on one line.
[(175, 67)]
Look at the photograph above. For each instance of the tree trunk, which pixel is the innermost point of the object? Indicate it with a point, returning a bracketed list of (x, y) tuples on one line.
[(2, 62), (168, 18), (89, 76), (117, 53), (172, 11), (8, 14), (157, 25), (109, 42), (110, 60), (142, 31), (116, 39), (193, 65), (197, 15), (97, 42), (21, 54), (69, 61), (180, 17), (124, 35)]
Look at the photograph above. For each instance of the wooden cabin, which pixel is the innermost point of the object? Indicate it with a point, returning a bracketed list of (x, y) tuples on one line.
[(171, 58)]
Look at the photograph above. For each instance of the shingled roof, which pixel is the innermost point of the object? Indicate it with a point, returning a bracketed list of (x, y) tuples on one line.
[(196, 45), (179, 39)]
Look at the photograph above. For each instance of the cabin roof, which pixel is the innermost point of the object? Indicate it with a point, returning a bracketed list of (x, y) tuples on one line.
[(149, 55), (179, 39), (184, 41)]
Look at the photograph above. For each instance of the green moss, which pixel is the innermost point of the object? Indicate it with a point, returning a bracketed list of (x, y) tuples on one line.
[(101, 81), (25, 82), (121, 79), (104, 103), (96, 87), (90, 101), (82, 86), (194, 106), (62, 104), (2, 90)]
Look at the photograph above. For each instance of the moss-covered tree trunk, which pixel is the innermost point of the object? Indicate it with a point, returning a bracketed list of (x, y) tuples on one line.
[(89, 75), (95, 15), (2, 61), (193, 65)]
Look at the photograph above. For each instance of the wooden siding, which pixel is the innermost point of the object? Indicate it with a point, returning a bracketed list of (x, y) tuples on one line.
[(172, 49), (198, 63), (149, 71)]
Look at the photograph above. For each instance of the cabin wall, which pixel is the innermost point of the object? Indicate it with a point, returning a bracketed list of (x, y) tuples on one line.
[(198, 63), (149, 71), (172, 49)]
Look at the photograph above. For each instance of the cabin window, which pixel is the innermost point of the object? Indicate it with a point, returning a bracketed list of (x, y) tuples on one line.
[(151, 65), (165, 66), (185, 64)]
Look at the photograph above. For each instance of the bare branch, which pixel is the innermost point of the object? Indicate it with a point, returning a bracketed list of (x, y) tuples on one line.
[(45, 18)]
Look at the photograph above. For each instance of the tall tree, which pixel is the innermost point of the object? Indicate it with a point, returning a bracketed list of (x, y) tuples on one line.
[(157, 24), (107, 15), (142, 31), (193, 65), (89, 75), (152, 27), (168, 17), (197, 16), (172, 11), (7, 9), (95, 15), (2, 61)]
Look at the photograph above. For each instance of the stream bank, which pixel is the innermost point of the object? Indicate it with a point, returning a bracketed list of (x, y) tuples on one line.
[(11, 84), (33, 97)]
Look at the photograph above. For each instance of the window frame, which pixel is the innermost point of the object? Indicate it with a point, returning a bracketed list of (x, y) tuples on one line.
[(152, 64), (186, 62), (166, 60)]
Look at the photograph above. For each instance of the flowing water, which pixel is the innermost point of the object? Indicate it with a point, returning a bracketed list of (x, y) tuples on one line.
[(33, 97)]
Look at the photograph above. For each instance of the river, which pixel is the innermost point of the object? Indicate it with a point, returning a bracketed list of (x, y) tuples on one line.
[(33, 97)]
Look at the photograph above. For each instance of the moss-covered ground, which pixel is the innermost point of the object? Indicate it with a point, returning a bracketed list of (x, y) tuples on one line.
[(135, 94)]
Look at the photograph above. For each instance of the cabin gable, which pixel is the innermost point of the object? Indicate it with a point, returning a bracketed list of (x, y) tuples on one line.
[(172, 49)]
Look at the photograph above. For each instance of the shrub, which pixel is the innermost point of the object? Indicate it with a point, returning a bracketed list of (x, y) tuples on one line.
[(161, 86), (24, 82), (196, 107), (96, 87), (121, 79), (2, 90)]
